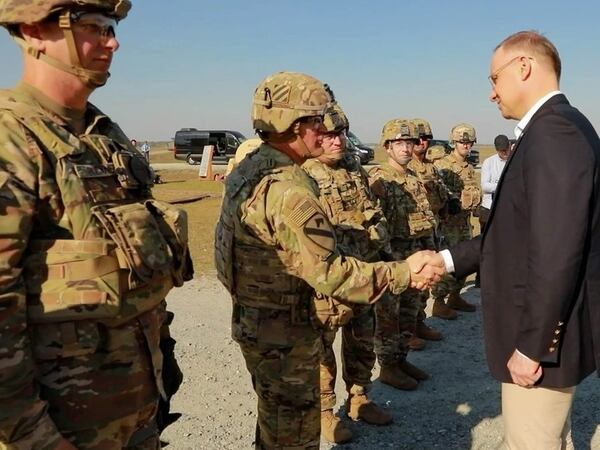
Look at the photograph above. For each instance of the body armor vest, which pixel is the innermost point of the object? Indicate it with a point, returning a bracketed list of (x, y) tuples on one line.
[(427, 174), (108, 251), (255, 272), (344, 193), (460, 179), (404, 202)]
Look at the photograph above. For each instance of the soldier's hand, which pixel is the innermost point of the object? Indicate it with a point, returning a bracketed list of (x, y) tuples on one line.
[(427, 267), (63, 444)]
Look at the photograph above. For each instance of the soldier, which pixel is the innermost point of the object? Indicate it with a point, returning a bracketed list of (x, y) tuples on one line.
[(411, 225), (361, 232), (248, 146), (460, 179), (273, 245), (437, 195), (87, 256)]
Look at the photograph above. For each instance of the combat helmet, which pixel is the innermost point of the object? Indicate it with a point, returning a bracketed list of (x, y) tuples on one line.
[(398, 129), (423, 128), (15, 12), (335, 121), (284, 97), (463, 132), (435, 152)]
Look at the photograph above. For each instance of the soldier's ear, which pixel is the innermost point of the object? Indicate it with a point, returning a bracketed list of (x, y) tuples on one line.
[(33, 34)]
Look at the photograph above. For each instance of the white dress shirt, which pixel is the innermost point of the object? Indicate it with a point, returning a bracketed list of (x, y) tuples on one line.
[(491, 169)]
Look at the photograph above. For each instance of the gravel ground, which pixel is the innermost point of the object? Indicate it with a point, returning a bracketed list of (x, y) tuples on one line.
[(457, 408)]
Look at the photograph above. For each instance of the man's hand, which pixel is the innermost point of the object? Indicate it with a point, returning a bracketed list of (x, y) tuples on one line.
[(524, 371), (426, 267)]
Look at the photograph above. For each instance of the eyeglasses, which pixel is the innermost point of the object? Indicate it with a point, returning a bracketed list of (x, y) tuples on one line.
[(494, 77), (466, 142), (403, 143), (95, 25), (334, 136)]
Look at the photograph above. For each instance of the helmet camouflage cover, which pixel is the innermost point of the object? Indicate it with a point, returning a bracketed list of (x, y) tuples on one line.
[(335, 121), (423, 128), (463, 132), (398, 129), (284, 97), (32, 11), (435, 152)]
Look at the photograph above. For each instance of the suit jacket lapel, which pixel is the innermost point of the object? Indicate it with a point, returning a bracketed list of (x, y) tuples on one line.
[(545, 109)]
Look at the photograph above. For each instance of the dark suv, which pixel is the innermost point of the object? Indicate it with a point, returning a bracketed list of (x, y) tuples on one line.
[(353, 145), (189, 144), (472, 159)]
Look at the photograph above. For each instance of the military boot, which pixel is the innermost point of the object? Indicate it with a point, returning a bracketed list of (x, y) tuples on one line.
[(455, 301), (413, 371), (395, 377), (425, 332), (333, 429), (359, 407), (416, 343), (443, 311)]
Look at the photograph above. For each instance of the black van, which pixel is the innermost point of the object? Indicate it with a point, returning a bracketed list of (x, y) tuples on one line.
[(189, 143)]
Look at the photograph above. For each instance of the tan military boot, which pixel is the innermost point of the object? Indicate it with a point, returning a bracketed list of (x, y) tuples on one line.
[(425, 332), (333, 429), (395, 377), (413, 371), (443, 311), (416, 343), (359, 407), (455, 301)]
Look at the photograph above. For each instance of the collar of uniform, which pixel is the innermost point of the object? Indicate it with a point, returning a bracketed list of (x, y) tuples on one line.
[(527, 117), (453, 156)]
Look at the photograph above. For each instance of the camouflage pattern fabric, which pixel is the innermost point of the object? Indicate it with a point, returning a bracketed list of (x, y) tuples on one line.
[(437, 192), (460, 178), (31, 11), (273, 245), (361, 232), (72, 377), (411, 224)]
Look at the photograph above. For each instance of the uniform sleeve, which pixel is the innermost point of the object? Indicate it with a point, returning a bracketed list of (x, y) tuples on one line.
[(24, 421), (304, 233)]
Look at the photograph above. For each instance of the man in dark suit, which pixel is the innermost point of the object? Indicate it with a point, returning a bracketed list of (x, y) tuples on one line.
[(539, 255)]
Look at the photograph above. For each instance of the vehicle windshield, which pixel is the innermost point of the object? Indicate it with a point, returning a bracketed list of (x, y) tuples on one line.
[(352, 138), (239, 135)]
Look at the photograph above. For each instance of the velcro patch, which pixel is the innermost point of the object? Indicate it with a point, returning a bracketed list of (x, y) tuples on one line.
[(319, 231), (302, 213)]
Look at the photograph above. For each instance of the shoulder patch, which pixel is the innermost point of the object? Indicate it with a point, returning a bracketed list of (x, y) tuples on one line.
[(302, 213)]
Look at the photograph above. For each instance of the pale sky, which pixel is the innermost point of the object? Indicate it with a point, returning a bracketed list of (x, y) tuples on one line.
[(194, 63)]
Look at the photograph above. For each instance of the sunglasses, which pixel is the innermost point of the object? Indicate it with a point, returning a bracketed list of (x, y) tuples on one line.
[(95, 25)]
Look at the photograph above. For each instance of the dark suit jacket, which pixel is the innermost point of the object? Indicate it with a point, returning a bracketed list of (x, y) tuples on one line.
[(539, 254)]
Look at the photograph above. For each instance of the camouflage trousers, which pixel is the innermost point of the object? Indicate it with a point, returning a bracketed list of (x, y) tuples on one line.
[(456, 230), (100, 382), (412, 301), (358, 357), (283, 360)]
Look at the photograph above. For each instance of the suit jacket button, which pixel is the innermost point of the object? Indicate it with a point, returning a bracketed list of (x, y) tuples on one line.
[(552, 349), (556, 331), (560, 324), (555, 341)]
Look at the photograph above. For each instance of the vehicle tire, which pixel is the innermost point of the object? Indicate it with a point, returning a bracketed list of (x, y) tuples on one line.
[(191, 161)]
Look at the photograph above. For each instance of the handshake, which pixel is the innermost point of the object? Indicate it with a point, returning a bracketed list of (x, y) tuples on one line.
[(426, 268)]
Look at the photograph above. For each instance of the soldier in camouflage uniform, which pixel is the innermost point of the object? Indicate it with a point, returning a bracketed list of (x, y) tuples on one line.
[(361, 232), (86, 256), (437, 195), (411, 225), (273, 246), (460, 179)]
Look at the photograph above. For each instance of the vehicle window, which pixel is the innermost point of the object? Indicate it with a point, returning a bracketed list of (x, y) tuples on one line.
[(232, 141)]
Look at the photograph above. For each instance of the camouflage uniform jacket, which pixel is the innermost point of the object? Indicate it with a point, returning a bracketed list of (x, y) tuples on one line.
[(69, 317), (344, 193), (437, 192), (460, 179), (404, 202), (273, 242)]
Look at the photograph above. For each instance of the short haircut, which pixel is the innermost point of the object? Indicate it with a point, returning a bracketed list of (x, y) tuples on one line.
[(501, 142), (535, 43)]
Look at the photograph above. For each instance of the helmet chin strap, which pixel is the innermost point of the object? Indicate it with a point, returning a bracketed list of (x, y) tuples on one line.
[(91, 78)]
